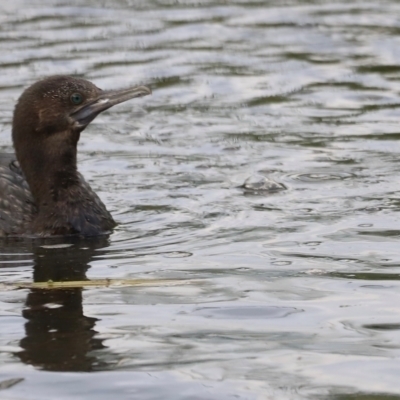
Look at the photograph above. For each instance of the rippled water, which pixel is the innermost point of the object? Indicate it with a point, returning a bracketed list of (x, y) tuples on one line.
[(260, 180)]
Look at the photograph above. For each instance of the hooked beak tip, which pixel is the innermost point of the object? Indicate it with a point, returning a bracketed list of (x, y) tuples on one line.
[(145, 89)]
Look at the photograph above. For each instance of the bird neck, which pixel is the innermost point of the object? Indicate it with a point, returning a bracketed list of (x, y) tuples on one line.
[(50, 167)]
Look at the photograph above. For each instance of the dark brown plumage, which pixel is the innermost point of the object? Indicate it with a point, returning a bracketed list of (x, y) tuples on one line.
[(42, 193)]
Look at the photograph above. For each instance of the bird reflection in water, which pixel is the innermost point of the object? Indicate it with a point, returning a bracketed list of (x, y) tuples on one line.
[(59, 337)]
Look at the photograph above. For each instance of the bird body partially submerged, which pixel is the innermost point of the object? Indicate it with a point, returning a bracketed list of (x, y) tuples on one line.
[(43, 194)]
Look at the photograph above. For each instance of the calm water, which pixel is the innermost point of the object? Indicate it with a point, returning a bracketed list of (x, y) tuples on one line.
[(291, 293)]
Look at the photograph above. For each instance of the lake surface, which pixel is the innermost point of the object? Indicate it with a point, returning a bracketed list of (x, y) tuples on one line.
[(257, 192)]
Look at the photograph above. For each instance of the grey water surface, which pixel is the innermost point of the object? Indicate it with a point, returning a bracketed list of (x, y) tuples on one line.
[(262, 177)]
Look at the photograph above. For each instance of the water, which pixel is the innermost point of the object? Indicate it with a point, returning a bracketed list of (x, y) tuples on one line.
[(261, 177)]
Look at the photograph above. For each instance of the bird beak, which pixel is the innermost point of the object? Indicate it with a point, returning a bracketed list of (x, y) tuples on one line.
[(89, 111)]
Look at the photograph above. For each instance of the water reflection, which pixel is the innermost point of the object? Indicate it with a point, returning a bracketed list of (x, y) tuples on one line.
[(59, 337)]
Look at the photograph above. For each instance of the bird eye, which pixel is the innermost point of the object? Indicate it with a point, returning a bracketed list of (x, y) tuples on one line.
[(76, 98)]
